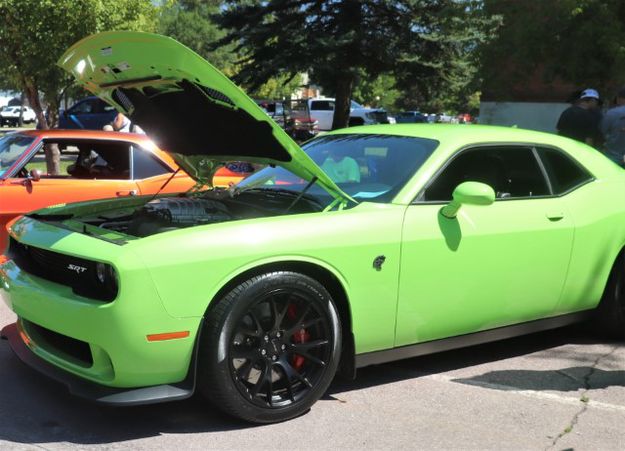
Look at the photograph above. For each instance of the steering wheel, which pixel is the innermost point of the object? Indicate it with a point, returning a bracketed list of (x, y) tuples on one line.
[(22, 173)]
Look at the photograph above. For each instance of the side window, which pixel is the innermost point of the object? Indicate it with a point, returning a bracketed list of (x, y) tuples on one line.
[(513, 172), (84, 107), (103, 107), (87, 160), (145, 165), (69, 155), (564, 173), (322, 105)]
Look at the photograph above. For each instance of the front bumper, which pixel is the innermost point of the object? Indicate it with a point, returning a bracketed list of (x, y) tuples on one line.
[(85, 389), (105, 343)]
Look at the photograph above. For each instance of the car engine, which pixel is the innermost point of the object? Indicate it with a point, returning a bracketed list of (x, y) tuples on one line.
[(161, 215)]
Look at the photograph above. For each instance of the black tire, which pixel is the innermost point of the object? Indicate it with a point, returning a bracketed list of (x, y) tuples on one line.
[(270, 348), (610, 314)]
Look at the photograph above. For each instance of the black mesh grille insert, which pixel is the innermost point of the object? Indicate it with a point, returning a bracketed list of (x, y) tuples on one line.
[(53, 341), (75, 272)]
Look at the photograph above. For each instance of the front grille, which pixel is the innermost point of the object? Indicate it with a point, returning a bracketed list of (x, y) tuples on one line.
[(59, 343), (75, 272)]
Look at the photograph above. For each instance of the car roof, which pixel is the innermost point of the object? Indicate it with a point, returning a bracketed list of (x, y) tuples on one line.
[(460, 133), (86, 134), (452, 137)]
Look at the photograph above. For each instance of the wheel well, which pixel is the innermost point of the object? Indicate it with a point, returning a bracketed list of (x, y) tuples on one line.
[(347, 365)]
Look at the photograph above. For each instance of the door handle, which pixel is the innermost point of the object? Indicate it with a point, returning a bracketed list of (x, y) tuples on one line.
[(132, 192), (555, 215)]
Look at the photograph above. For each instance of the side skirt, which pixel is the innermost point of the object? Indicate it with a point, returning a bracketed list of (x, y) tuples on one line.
[(462, 341)]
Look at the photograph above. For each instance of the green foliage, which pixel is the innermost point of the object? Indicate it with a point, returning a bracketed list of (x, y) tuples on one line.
[(378, 92), (190, 22), (279, 87), (578, 41), (34, 34), (423, 43)]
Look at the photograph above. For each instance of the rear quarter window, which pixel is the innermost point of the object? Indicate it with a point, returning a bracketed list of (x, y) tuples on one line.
[(145, 165), (564, 173)]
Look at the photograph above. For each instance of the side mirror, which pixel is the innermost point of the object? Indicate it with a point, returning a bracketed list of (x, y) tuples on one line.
[(34, 175), (468, 193)]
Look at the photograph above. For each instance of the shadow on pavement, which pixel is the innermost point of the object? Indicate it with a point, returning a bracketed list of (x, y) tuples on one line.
[(565, 379), (465, 357), (34, 409)]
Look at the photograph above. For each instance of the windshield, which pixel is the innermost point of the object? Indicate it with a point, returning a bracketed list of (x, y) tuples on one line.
[(12, 146), (367, 167), (356, 105)]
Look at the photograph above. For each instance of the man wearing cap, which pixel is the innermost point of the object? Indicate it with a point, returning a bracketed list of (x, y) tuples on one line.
[(613, 129), (581, 120)]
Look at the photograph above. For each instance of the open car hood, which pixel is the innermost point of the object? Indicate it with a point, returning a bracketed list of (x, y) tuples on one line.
[(188, 107)]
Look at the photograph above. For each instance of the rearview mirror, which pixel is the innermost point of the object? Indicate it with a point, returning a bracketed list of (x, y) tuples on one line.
[(468, 193)]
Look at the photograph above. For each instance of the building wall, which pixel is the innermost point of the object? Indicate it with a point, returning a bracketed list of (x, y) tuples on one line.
[(541, 116)]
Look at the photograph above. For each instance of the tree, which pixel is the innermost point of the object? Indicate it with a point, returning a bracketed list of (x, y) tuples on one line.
[(378, 92), (577, 42), (35, 33), (191, 23), (422, 42)]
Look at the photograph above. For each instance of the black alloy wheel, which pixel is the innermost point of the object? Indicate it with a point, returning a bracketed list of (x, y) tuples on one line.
[(270, 348)]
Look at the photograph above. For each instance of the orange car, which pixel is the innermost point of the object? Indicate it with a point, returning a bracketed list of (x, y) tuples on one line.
[(94, 165)]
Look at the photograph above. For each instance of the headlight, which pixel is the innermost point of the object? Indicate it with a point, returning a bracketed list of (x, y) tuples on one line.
[(105, 285)]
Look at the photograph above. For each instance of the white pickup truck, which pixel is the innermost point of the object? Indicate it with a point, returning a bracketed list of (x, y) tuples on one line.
[(10, 115), (322, 109)]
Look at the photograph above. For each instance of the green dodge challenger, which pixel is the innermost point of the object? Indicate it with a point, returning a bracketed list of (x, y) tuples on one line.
[(367, 245)]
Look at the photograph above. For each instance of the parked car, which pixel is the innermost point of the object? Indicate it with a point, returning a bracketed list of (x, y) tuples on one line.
[(276, 110), (408, 117), (322, 109), (10, 115), (445, 118), (365, 246), (464, 118), (95, 165), (300, 124), (90, 113)]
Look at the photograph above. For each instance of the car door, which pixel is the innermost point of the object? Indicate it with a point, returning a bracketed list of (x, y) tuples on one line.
[(323, 111), (492, 265), (65, 187)]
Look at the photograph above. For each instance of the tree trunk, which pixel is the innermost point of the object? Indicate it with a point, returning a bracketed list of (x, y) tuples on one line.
[(20, 121), (53, 154), (344, 85)]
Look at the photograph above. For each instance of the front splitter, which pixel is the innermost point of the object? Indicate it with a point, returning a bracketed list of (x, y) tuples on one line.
[(95, 392)]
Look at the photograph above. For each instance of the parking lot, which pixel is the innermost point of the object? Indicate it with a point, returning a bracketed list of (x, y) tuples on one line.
[(557, 390)]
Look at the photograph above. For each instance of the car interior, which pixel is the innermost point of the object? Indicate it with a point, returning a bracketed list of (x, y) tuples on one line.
[(84, 159), (512, 172)]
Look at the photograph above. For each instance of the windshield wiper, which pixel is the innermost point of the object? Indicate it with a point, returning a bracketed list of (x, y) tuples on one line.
[(281, 191)]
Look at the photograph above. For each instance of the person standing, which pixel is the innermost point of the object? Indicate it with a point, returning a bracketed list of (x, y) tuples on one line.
[(613, 129), (581, 121)]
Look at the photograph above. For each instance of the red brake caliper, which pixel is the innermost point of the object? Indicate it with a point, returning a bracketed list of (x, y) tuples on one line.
[(301, 336)]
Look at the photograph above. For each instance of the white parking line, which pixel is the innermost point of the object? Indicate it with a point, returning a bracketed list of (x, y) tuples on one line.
[(529, 393)]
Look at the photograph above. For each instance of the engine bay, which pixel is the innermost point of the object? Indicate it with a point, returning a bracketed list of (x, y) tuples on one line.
[(168, 213)]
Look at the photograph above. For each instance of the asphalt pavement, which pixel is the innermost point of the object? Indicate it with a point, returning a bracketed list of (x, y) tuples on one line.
[(559, 390)]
